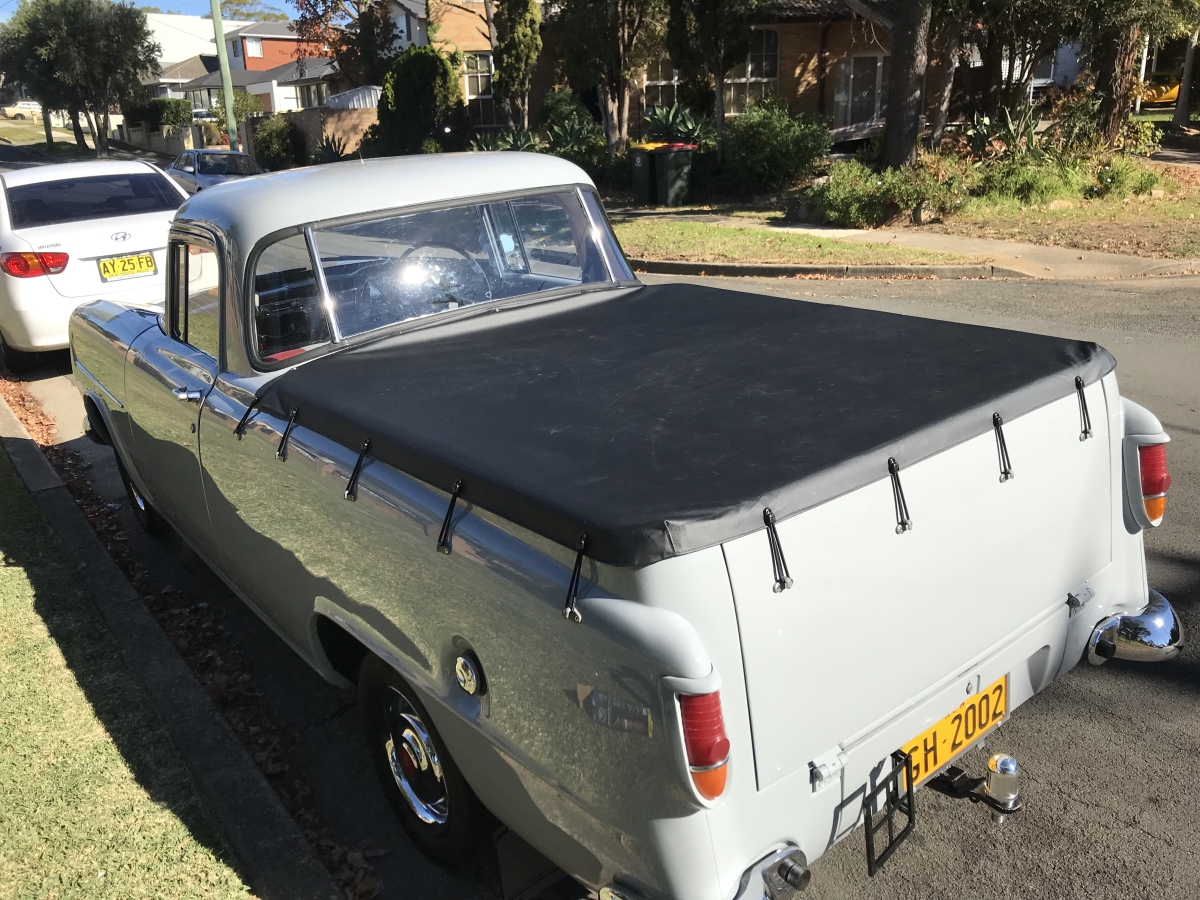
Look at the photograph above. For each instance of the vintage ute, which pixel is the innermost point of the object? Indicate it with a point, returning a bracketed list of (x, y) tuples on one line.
[(682, 584)]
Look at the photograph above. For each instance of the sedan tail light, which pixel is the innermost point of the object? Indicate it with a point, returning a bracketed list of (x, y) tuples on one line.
[(1156, 480), (31, 265), (705, 741)]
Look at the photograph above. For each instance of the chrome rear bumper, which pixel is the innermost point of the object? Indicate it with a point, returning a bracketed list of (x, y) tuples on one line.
[(1153, 635)]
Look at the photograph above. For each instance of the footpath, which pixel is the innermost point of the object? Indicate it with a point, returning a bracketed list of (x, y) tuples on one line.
[(1003, 258)]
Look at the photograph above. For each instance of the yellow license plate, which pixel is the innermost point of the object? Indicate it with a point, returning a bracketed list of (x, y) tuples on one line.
[(940, 743), (117, 267)]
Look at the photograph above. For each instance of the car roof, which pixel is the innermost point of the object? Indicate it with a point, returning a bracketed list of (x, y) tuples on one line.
[(223, 152), (249, 209), (61, 171)]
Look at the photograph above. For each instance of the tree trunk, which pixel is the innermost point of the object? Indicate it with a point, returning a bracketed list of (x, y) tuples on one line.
[(949, 67), (993, 73), (719, 110), (1115, 79), (46, 125), (910, 58), (102, 137), (78, 130), (608, 112), (95, 133), (1183, 103)]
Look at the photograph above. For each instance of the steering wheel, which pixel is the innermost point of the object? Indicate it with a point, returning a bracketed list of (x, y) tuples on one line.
[(453, 249)]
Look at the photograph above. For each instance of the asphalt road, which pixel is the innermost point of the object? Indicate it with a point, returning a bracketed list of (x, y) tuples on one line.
[(1112, 798)]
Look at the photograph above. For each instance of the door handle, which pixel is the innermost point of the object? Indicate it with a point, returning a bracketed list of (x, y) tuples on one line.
[(186, 395)]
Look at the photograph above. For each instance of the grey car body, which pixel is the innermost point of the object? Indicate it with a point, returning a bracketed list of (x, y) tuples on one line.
[(571, 730), (195, 170)]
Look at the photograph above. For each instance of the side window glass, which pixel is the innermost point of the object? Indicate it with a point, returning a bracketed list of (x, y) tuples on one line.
[(288, 316), (196, 281), (545, 228), (180, 162)]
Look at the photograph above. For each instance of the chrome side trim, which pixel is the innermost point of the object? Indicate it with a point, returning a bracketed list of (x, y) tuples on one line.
[(1153, 635), (96, 381)]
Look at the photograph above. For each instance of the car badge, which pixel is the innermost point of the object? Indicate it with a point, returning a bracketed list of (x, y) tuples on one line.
[(121, 236)]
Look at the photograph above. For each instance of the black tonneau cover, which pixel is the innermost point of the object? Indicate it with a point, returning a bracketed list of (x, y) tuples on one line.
[(662, 420)]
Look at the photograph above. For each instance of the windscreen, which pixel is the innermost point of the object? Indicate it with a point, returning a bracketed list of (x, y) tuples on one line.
[(392, 269), (99, 197), (226, 164)]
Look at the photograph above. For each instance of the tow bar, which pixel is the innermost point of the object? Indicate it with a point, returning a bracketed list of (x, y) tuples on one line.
[(999, 790), (894, 797)]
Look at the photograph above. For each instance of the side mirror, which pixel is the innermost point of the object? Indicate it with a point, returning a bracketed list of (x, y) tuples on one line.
[(189, 169)]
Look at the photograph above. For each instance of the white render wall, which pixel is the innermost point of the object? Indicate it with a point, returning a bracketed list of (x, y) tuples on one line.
[(183, 37)]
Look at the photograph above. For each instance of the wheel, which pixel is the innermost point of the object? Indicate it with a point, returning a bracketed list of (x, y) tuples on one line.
[(16, 360), (424, 786), (147, 516), (19, 116)]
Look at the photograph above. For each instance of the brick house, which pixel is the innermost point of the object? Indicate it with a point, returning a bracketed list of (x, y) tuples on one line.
[(267, 45)]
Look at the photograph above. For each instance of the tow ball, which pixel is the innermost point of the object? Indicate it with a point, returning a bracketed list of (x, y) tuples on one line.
[(999, 790)]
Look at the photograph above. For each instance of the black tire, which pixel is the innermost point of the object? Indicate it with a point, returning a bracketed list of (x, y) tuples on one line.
[(20, 117), (16, 361), (145, 514), (440, 814)]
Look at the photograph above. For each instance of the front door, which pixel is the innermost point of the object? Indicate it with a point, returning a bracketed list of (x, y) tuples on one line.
[(170, 373)]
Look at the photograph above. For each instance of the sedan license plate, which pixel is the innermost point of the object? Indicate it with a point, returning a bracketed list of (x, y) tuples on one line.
[(115, 268), (940, 743)]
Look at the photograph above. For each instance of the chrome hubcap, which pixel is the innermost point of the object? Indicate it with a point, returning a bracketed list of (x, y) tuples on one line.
[(414, 760)]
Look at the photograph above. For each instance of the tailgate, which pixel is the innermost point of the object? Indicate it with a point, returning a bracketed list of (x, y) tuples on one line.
[(875, 618)]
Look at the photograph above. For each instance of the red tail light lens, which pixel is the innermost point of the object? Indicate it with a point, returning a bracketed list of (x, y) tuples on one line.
[(705, 741), (1156, 480), (31, 265)]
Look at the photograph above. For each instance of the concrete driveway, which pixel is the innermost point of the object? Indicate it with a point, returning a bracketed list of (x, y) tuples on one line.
[(1111, 754)]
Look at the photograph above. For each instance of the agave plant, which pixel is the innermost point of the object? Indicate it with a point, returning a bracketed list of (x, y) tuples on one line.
[(331, 149), (679, 124), (508, 139), (577, 139)]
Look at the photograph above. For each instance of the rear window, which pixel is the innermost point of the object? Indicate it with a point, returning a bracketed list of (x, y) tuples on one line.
[(226, 164), (99, 197)]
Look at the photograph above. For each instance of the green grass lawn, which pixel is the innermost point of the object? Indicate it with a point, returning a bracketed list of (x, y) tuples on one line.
[(663, 239), (94, 800)]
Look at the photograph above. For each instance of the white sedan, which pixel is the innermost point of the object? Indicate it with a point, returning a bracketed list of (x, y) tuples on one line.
[(73, 233)]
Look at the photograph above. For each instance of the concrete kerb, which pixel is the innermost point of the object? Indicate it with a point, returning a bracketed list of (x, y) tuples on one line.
[(785, 270), (277, 860)]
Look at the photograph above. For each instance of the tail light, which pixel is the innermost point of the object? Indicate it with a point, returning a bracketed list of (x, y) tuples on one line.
[(31, 265), (1156, 480), (705, 741)]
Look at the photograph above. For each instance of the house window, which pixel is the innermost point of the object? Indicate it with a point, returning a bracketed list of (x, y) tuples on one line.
[(313, 94), (860, 89), (480, 105), (253, 46), (235, 47), (660, 84), (757, 77)]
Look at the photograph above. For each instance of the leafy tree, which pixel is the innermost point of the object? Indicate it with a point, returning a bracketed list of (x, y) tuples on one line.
[(707, 38), (910, 58), (421, 107), (245, 105), (361, 35), (605, 44), (248, 11), (515, 51), (80, 55)]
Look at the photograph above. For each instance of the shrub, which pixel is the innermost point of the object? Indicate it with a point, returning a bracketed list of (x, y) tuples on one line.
[(857, 196), (331, 149), (244, 105), (161, 111), (768, 148), (279, 144), (560, 106), (1030, 181), (1139, 137), (578, 140), (507, 139), (677, 124), (1121, 176), (421, 108)]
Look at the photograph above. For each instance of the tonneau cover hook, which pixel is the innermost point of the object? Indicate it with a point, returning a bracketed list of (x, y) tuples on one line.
[(241, 425), (1085, 420), (352, 484), (783, 578), (281, 453), (903, 522), (570, 610), (443, 541), (1006, 471)]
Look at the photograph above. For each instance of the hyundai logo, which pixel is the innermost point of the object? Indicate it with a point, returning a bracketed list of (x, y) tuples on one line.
[(121, 236)]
